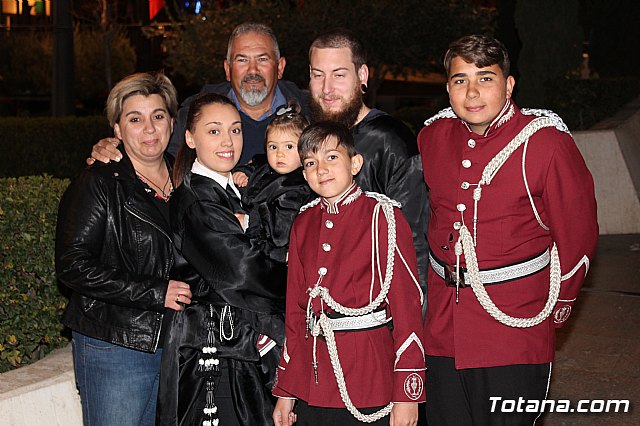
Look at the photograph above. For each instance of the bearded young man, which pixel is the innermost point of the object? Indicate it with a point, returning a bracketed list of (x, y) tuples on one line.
[(338, 79), (254, 70)]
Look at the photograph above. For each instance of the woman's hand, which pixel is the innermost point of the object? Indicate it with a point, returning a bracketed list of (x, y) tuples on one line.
[(178, 295), (404, 414), (240, 179), (283, 414), (105, 150)]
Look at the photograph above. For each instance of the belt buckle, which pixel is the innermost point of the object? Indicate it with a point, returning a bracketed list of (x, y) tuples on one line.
[(450, 276)]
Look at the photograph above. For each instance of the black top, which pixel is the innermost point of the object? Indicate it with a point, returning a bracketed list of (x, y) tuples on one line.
[(273, 201)]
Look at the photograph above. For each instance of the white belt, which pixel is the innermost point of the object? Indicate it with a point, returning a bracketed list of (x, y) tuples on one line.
[(498, 275), (363, 322)]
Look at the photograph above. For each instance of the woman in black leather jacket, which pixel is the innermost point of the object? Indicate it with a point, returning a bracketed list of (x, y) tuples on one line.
[(115, 252)]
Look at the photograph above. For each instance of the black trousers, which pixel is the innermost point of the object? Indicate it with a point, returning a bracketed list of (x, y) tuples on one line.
[(466, 397), (318, 416)]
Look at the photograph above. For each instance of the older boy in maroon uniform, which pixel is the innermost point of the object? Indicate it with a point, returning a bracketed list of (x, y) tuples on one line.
[(353, 350), (513, 230)]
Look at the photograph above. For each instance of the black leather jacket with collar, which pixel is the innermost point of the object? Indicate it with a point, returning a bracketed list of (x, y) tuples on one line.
[(114, 252)]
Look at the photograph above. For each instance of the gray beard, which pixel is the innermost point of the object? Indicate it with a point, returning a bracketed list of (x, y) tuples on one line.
[(253, 97)]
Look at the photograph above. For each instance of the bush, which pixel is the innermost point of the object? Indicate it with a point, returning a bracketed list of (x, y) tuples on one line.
[(55, 146), (30, 303)]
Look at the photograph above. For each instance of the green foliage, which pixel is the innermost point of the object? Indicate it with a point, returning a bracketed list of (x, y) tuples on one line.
[(30, 302), (56, 146), (90, 61), (583, 103), (400, 36), (28, 68), (26, 65)]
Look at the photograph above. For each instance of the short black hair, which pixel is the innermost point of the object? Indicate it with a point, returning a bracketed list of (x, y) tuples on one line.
[(317, 134)]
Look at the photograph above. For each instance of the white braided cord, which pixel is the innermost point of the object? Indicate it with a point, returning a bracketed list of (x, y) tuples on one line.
[(469, 242), (324, 294), (445, 113), (496, 163), (558, 123), (323, 325), (473, 272), (310, 204)]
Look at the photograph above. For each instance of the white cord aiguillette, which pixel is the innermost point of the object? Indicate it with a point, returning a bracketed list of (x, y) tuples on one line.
[(323, 325), (466, 243)]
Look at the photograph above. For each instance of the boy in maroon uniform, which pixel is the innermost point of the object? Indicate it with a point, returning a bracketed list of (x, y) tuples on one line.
[(353, 350), (513, 229)]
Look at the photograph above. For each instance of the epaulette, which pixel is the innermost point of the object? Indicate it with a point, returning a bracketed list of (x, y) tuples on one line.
[(445, 113), (310, 204), (557, 121), (381, 198)]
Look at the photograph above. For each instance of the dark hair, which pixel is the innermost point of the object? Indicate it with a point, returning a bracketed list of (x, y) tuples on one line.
[(482, 51), (187, 155), (339, 38), (316, 135), (289, 119)]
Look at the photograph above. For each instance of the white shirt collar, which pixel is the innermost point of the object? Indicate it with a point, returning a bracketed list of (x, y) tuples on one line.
[(222, 180)]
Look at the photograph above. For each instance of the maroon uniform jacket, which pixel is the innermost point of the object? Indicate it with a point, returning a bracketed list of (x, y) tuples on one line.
[(380, 365), (508, 232)]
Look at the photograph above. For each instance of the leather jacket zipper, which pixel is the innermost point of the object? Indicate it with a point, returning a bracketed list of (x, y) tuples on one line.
[(130, 211)]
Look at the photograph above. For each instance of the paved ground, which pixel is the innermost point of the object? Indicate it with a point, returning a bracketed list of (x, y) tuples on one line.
[(598, 355)]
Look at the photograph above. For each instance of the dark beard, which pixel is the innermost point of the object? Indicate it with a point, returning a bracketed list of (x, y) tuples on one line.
[(348, 116)]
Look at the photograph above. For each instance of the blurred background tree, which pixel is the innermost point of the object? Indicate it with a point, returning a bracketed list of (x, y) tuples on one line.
[(558, 48), (26, 72), (551, 37), (401, 37)]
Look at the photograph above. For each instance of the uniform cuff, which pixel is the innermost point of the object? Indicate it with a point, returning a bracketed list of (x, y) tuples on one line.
[(409, 386)]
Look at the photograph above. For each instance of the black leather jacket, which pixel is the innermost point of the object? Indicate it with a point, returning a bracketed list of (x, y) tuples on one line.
[(114, 251)]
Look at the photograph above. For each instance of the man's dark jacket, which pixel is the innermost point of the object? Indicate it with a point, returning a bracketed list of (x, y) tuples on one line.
[(392, 167)]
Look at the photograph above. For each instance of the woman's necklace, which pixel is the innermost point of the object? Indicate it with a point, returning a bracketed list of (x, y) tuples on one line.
[(165, 194)]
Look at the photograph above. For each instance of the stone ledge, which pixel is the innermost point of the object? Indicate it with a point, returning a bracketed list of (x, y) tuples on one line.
[(41, 393), (611, 150)]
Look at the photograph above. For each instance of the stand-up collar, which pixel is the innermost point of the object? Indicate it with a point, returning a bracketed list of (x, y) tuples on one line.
[(347, 197)]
